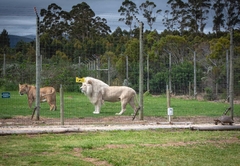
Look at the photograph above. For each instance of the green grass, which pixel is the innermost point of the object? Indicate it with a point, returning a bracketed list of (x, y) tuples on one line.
[(148, 147), (76, 105)]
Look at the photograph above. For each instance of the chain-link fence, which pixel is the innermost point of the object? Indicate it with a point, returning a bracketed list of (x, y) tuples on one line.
[(73, 44)]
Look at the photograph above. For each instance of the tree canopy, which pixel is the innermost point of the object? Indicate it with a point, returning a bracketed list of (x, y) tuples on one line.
[(73, 43)]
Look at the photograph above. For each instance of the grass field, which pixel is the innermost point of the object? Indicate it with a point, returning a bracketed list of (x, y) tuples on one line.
[(148, 147), (123, 148), (76, 105)]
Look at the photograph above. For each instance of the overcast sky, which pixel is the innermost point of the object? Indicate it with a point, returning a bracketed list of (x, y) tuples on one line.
[(18, 16)]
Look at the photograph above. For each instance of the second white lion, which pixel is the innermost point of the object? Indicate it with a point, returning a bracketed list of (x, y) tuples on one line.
[(97, 91)]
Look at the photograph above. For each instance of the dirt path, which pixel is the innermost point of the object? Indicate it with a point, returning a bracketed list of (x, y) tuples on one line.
[(26, 120), (24, 125)]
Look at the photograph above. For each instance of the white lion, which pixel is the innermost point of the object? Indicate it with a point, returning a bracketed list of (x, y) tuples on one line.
[(97, 91)]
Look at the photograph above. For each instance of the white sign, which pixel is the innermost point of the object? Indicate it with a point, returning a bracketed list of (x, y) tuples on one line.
[(170, 111)]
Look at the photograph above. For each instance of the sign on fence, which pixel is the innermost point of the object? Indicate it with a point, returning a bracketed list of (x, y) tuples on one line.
[(5, 94), (170, 111)]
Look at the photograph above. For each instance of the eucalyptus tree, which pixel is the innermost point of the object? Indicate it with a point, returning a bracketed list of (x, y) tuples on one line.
[(117, 41), (54, 21), (174, 45), (198, 14), (128, 10), (100, 27), (232, 13), (218, 18), (85, 24), (191, 15), (81, 18), (227, 14), (148, 12), (117, 33), (177, 18)]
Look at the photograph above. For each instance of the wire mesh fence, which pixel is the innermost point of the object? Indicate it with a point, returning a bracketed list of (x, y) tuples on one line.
[(77, 107), (193, 65)]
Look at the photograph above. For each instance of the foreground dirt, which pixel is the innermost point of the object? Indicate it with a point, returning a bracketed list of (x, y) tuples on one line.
[(26, 120), (24, 125)]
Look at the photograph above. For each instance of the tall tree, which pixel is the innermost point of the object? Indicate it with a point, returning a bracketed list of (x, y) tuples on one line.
[(54, 21), (148, 12), (100, 26), (227, 14), (198, 14), (81, 20), (232, 15), (175, 45), (4, 40), (128, 10), (84, 24), (177, 15), (218, 18)]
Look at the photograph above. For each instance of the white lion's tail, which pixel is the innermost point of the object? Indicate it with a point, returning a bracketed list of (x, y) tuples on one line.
[(136, 104), (136, 101)]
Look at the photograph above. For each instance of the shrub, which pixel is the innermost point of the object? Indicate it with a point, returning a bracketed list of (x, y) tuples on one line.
[(209, 94)]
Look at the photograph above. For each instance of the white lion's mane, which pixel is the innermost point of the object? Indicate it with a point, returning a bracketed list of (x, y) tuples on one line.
[(94, 86)]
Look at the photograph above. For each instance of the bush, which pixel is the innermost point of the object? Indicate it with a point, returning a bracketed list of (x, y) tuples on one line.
[(158, 82), (147, 93), (209, 94), (8, 85)]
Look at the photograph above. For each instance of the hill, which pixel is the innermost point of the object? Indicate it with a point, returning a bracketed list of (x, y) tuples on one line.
[(14, 39)]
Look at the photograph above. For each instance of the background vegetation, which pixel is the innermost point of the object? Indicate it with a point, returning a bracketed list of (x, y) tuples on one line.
[(71, 41)]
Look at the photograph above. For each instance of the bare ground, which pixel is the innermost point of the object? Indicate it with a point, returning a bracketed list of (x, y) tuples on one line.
[(116, 120)]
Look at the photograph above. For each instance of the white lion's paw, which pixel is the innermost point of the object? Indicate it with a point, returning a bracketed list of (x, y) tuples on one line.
[(118, 114), (95, 112)]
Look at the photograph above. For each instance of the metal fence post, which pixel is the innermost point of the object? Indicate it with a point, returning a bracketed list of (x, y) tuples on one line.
[(38, 66), (61, 106), (141, 70), (231, 86)]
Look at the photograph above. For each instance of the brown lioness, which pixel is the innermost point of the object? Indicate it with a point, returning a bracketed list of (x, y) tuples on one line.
[(46, 94)]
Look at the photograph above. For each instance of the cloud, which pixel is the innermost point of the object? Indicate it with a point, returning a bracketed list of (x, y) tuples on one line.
[(18, 26), (19, 18)]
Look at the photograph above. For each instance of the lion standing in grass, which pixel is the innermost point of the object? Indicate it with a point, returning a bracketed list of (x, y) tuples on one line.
[(47, 94), (97, 91)]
